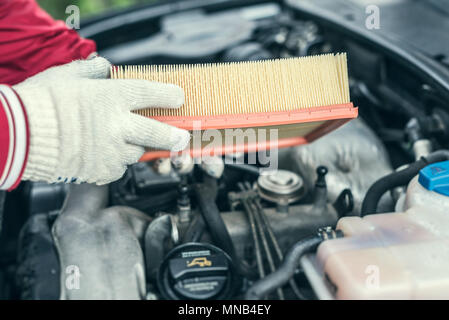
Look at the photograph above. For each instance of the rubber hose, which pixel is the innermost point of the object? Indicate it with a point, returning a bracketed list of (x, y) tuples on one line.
[(213, 219), (217, 227), (285, 272), (397, 179)]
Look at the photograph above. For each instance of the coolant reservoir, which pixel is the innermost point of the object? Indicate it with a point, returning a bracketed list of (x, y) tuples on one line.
[(402, 255)]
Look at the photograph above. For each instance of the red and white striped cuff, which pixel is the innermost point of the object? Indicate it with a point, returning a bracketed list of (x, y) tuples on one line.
[(14, 138)]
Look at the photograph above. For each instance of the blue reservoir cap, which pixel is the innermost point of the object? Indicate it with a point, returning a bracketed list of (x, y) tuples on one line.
[(435, 177)]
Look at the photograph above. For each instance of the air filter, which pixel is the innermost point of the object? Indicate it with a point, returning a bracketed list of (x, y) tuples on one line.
[(252, 105)]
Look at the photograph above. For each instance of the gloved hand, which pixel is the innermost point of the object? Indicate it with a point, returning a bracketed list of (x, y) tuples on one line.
[(81, 125)]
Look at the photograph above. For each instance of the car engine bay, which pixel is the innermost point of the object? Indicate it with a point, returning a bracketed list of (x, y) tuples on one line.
[(176, 229)]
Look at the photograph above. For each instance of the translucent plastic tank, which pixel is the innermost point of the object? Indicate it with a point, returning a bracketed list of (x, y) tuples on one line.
[(402, 255)]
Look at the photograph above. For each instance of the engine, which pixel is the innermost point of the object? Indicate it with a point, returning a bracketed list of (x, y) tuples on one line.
[(179, 229)]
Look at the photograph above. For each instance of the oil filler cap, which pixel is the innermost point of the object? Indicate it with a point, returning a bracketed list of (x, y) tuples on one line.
[(435, 177), (196, 271)]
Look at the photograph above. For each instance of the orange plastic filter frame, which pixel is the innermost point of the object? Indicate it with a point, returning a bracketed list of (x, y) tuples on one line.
[(332, 116)]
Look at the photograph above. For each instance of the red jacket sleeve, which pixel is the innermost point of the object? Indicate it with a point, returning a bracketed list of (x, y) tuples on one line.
[(31, 41), (14, 138)]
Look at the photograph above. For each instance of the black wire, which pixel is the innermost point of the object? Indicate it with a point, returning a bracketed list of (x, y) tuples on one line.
[(276, 247), (254, 235), (266, 247), (263, 221), (285, 272), (262, 227)]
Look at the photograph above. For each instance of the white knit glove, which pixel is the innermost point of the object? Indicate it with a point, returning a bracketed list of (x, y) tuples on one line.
[(81, 127)]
